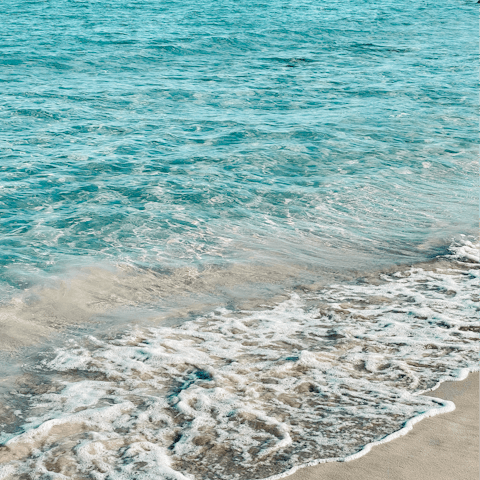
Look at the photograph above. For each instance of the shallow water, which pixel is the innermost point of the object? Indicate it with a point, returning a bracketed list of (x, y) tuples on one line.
[(227, 229), (249, 394)]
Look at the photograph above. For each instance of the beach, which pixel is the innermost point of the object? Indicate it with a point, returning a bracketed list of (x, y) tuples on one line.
[(443, 447), (238, 238)]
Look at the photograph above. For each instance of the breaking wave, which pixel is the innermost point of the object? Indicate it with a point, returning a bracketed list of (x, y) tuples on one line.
[(252, 394)]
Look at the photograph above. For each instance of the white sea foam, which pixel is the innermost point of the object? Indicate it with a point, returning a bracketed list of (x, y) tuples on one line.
[(239, 395), (466, 250)]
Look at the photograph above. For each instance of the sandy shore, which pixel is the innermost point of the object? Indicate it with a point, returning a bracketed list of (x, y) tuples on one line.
[(443, 447)]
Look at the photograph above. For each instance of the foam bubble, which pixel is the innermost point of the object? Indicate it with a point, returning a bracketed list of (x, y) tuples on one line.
[(466, 250), (254, 394)]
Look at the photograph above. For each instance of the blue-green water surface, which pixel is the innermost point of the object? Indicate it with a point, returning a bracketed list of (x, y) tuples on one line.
[(165, 133)]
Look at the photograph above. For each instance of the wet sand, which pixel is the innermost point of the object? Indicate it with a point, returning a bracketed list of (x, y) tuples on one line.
[(443, 447)]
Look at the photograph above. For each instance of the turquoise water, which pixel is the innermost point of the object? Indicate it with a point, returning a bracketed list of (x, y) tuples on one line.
[(170, 133), (160, 160)]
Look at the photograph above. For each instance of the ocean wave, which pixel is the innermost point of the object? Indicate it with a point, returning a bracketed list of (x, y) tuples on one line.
[(254, 394)]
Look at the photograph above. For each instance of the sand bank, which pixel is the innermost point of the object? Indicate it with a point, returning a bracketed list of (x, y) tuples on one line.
[(443, 447)]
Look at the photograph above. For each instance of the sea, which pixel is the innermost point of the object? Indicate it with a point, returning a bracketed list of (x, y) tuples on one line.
[(236, 237)]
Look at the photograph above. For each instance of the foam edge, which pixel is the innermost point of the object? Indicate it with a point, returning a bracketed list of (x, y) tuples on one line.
[(448, 406)]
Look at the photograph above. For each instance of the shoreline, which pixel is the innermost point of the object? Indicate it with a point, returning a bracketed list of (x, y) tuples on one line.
[(256, 325), (445, 446)]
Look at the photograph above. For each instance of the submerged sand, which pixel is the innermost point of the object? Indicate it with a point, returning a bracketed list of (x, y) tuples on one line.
[(443, 447)]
